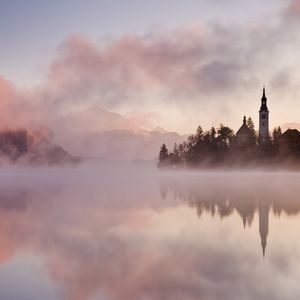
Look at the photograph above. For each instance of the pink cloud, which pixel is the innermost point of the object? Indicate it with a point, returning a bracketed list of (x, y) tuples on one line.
[(15, 111), (126, 68), (188, 75), (145, 120), (293, 8)]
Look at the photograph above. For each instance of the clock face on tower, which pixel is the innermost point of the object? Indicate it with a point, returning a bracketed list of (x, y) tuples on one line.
[(263, 124)]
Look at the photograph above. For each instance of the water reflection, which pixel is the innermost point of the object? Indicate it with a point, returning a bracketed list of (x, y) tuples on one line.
[(118, 235), (242, 192)]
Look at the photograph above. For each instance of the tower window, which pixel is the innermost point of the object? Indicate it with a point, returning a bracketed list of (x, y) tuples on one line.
[(263, 116)]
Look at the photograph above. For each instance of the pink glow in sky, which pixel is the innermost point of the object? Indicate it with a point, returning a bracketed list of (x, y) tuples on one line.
[(206, 70)]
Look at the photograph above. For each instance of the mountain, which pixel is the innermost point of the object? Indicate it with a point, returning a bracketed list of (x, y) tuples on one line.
[(97, 132), (96, 119), (124, 144), (159, 130), (142, 119)]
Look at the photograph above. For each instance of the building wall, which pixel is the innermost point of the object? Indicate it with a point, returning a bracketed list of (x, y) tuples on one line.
[(263, 126)]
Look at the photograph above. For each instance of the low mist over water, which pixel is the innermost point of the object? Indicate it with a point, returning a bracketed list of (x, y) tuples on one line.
[(124, 231)]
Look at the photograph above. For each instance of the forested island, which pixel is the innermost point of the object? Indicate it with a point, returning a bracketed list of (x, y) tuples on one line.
[(221, 147)]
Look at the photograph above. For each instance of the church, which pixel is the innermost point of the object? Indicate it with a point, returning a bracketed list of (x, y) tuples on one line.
[(244, 136)]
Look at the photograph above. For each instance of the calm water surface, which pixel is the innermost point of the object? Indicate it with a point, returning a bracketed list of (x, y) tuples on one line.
[(132, 232)]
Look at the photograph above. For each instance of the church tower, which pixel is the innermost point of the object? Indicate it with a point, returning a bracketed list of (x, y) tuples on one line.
[(263, 212), (263, 119)]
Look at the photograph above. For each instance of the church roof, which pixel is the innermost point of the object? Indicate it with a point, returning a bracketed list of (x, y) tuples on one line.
[(244, 129), (290, 133)]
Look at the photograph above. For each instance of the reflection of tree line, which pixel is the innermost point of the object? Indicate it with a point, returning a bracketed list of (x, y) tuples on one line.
[(13, 199), (223, 198), (19, 199)]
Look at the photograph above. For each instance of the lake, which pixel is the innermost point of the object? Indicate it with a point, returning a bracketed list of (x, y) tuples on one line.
[(120, 231)]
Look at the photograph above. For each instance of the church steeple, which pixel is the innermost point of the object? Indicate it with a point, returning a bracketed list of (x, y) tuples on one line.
[(264, 101), (263, 212), (263, 119)]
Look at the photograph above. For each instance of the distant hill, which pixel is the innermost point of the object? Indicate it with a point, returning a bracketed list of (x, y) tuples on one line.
[(124, 144), (97, 132), (159, 130), (95, 119), (22, 146)]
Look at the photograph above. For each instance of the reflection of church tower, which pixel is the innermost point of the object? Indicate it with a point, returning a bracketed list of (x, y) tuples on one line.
[(263, 119), (263, 211)]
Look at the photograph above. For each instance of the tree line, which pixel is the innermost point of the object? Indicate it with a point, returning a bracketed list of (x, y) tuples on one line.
[(218, 146)]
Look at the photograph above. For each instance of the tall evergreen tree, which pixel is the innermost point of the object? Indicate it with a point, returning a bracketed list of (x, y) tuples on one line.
[(251, 126), (225, 136), (163, 153), (176, 156), (275, 137)]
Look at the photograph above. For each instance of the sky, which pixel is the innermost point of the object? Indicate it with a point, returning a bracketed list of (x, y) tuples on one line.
[(31, 31), (184, 62)]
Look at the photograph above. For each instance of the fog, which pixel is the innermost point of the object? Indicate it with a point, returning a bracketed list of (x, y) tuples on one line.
[(129, 231)]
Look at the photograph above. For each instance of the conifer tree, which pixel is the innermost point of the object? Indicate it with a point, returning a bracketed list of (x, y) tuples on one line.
[(163, 153), (251, 126)]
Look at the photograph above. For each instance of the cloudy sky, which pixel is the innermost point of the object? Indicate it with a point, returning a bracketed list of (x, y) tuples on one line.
[(183, 63)]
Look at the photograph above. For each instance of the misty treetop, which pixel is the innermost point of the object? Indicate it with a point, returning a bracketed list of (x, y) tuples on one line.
[(32, 148), (221, 147)]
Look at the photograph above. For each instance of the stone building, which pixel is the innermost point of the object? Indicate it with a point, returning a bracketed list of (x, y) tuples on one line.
[(263, 135), (244, 136)]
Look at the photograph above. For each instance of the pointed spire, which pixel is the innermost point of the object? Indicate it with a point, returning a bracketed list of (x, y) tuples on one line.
[(264, 100), (263, 213), (264, 93), (244, 120), (264, 245), (244, 221)]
